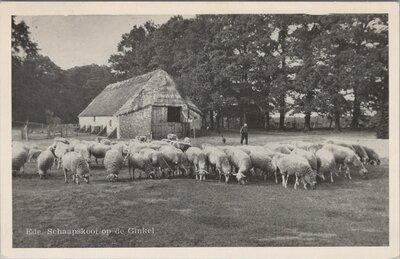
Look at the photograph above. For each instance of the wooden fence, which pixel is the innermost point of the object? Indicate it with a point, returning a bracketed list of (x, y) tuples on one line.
[(35, 131)]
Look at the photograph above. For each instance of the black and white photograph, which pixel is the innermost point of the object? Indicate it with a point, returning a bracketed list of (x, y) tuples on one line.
[(201, 130)]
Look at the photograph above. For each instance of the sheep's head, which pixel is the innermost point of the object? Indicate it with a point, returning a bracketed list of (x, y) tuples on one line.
[(86, 178), (87, 159), (321, 175), (241, 178), (226, 167), (375, 162), (83, 171), (363, 172), (310, 178), (112, 177)]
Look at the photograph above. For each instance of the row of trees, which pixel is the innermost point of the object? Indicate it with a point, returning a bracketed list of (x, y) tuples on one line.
[(39, 85), (333, 65)]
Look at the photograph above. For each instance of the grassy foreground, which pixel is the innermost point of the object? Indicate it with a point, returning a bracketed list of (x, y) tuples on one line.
[(183, 212)]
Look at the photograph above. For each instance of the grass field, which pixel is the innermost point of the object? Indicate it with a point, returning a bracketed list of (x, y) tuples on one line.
[(183, 212)]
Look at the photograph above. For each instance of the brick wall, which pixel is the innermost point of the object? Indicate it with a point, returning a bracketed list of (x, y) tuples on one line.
[(135, 124)]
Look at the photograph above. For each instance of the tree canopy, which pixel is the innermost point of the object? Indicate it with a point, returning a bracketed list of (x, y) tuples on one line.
[(332, 65)]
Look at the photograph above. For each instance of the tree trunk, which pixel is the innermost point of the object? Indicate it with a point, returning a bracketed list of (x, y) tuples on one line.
[(282, 112), (218, 122), (266, 120), (337, 121), (356, 111), (211, 119), (382, 129), (307, 121), (244, 116)]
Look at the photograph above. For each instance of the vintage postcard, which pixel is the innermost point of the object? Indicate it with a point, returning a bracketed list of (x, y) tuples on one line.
[(199, 130)]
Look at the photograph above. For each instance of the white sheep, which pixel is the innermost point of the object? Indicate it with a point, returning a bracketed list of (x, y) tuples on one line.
[(20, 154), (61, 139), (219, 160), (72, 143), (341, 143), (160, 142), (261, 159), (98, 150), (103, 140), (326, 162), (315, 147), (344, 157), (361, 153), (198, 160), (174, 158), (145, 160), (240, 160), (137, 146), (45, 161), (113, 162), (204, 145), (141, 138), (302, 144), (295, 165), (60, 150), (172, 136), (279, 147), (373, 157), (311, 158), (33, 154), (180, 145), (84, 149), (75, 163)]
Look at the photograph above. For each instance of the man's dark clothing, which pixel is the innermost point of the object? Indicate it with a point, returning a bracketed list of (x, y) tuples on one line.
[(244, 135)]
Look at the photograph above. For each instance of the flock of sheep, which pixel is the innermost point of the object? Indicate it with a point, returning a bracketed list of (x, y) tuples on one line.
[(170, 157)]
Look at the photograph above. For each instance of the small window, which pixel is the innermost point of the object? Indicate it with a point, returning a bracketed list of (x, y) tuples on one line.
[(174, 114), (94, 118)]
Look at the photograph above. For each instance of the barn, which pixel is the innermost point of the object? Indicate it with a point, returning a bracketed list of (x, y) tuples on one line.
[(147, 105)]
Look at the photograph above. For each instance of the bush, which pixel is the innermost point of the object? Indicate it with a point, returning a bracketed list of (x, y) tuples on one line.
[(382, 129)]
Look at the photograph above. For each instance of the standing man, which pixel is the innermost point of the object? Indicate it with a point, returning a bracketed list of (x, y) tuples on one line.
[(243, 134)]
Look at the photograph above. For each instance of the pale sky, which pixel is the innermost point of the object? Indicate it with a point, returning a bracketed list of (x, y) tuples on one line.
[(82, 40)]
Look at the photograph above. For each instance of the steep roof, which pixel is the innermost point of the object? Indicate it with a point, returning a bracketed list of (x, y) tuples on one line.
[(154, 88)]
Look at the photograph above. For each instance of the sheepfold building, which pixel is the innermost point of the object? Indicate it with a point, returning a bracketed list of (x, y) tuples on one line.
[(147, 105)]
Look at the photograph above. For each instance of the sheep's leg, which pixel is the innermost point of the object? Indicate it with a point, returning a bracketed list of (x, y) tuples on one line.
[(304, 183), (265, 176), (297, 182), (287, 179), (77, 179), (348, 173), (226, 178), (65, 176), (331, 177), (283, 179), (217, 172), (276, 176)]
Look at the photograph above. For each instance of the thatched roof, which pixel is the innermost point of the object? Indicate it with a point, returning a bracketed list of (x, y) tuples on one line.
[(154, 88)]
